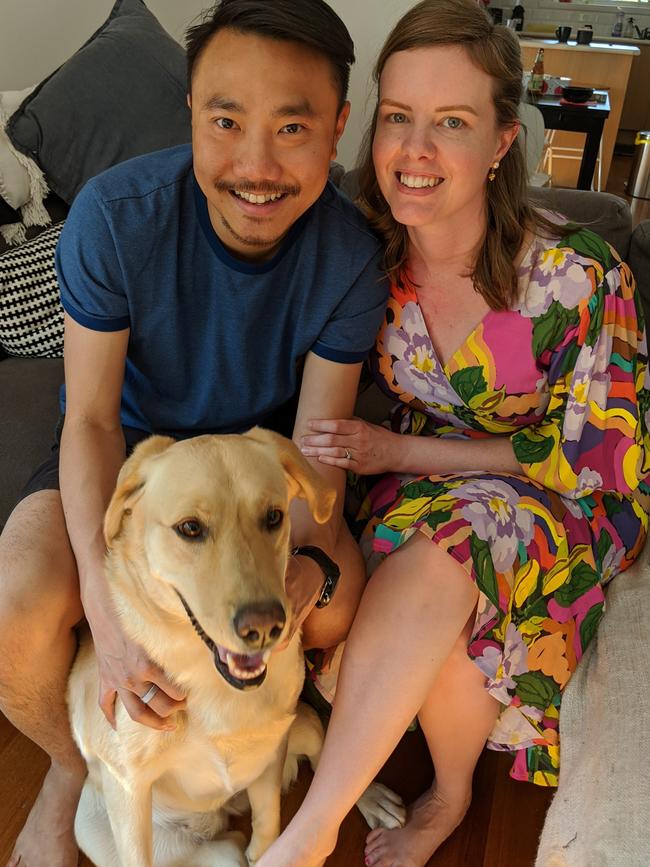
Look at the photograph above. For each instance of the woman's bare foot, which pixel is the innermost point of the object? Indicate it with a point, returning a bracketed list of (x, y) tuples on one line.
[(47, 838), (297, 847), (431, 819)]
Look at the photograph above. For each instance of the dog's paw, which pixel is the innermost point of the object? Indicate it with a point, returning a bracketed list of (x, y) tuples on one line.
[(255, 850), (381, 807)]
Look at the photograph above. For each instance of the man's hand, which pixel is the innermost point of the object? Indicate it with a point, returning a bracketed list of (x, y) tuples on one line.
[(126, 671)]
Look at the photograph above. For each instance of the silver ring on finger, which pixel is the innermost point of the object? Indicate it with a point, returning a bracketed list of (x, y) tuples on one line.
[(348, 455), (149, 694)]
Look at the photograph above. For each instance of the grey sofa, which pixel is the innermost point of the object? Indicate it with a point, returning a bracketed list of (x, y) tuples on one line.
[(29, 386)]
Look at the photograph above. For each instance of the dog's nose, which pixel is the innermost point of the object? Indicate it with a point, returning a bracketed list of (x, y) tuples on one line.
[(259, 623)]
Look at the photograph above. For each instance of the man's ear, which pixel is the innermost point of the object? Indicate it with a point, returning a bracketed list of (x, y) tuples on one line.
[(130, 484), (341, 121), (189, 101), (302, 478)]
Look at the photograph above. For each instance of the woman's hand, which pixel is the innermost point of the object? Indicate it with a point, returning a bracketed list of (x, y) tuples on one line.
[(352, 444)]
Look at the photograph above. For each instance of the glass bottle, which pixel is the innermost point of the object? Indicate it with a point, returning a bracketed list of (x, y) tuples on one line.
[(537, 74)]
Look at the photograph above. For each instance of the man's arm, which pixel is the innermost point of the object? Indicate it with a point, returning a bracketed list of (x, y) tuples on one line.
[(92, 452), (327, 386)]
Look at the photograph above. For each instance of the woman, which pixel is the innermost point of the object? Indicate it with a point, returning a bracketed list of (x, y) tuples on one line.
[(519, 449)]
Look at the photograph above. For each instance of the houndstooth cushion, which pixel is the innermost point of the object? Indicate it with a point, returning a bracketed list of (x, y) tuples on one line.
[(31, 316)]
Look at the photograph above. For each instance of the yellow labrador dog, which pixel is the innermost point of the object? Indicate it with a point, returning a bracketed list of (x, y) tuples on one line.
[(198, 539)]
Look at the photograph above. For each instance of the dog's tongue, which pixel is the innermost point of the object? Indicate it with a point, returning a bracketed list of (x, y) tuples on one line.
[(247, 662)]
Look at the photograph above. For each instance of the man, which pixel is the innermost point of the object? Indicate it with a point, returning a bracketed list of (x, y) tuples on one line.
[(196, 283)]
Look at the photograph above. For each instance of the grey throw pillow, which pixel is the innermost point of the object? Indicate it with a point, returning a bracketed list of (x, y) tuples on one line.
[(120, 95)]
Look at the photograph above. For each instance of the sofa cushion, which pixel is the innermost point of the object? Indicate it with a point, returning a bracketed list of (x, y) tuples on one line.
[(605, 214), (639, 261), (31, 316), (30, 386), (122, 94)]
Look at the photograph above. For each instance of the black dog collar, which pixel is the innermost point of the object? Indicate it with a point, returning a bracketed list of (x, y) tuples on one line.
[(328, 567)]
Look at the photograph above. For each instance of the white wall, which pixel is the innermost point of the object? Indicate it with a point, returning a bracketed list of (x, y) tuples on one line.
[(37, 36)]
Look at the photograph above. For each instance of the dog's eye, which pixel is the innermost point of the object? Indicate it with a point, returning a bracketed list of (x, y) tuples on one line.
[(190, 529), (273, 518)]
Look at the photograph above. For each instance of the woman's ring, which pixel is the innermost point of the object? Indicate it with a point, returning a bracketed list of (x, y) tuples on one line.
[(348, 455), (149, 694)]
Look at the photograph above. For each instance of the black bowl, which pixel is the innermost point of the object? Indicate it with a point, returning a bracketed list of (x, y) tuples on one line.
[(577, 94)]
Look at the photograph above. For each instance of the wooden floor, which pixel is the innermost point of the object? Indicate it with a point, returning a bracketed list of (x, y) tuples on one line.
[(500, 830)]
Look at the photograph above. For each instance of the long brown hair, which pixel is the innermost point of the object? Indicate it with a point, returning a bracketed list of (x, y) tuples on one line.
[(495, 50)]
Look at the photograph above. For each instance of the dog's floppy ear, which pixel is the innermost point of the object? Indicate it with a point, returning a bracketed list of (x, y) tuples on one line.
[(130, 483), (304, 481)]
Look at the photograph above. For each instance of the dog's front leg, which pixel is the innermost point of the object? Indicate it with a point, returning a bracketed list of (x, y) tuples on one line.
[(264, 796), (129, 812)]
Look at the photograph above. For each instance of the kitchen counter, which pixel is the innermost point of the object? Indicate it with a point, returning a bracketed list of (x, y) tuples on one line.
[(616, 49), (604, 66), (606, 40)]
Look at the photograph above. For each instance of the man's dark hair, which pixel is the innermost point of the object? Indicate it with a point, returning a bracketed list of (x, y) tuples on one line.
[(310, 22)]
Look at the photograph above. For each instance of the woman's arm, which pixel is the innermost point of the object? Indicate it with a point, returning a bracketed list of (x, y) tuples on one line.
[(374, 449)]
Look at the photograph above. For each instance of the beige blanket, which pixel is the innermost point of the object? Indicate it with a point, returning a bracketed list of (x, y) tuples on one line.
[(600, 815)]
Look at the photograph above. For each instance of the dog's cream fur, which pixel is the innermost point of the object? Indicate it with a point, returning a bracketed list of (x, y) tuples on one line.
[(162, 798)]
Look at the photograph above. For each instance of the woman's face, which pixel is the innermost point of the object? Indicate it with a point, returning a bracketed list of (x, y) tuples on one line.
[(436, 137)]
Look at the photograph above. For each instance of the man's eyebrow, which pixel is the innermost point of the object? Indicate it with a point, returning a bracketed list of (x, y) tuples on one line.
[(393, 102), (292, 109), (302, 109), (224, 103)]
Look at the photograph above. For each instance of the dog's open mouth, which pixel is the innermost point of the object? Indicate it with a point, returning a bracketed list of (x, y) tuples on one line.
[(241, 670)]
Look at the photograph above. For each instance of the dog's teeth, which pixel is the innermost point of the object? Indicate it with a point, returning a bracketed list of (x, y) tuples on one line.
[(266, 656), (236, 671)]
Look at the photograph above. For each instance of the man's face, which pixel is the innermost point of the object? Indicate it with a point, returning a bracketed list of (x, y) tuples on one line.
[(264, 129)]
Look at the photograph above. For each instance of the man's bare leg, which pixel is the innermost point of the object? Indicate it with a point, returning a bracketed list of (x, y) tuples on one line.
[(39, 607)]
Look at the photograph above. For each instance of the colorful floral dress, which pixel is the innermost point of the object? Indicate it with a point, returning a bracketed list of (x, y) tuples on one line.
[(564, 375)]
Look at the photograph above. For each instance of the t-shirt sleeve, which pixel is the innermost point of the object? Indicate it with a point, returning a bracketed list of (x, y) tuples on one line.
[(594, 434), (88, 267), (351, 330)]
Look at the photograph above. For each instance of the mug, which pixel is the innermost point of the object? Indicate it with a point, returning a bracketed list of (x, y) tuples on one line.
[(583, 37), (563, 34)]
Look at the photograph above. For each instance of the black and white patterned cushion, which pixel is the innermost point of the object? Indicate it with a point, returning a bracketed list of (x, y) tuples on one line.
[(31, 316)]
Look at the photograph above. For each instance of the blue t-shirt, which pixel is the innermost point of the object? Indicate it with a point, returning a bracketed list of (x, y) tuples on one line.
[(215, 343)]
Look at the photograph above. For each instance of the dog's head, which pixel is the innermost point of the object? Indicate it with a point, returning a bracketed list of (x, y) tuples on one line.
[(205, 521)]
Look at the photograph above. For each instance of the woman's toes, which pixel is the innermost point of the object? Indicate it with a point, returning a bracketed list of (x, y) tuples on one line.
[(374, 835)]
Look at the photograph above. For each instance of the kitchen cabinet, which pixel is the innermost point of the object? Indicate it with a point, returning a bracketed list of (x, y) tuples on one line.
[(636, 107), (606, 67)]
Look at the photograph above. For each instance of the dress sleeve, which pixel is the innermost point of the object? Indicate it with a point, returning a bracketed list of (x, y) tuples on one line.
[(594, 434)]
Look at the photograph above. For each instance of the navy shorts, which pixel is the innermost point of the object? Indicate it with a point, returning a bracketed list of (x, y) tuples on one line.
[(46, 476)]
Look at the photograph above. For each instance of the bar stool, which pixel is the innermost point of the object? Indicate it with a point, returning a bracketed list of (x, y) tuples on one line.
[(560, 152)]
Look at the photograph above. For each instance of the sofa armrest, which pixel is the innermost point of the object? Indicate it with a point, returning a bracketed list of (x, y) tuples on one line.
[(29, 389)]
